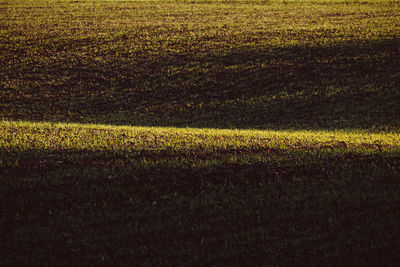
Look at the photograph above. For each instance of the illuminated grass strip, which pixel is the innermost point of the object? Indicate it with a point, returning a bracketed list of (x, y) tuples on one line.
[(183, 146)]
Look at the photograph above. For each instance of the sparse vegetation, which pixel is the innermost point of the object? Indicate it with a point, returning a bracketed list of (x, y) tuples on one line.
[(209, 132)]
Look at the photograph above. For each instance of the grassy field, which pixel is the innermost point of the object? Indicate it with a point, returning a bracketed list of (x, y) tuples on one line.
[(203, 132)]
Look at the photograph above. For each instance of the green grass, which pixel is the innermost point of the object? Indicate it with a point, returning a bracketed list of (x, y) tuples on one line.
[(204, 132), (219, 64), (173, 147), (160, 196)]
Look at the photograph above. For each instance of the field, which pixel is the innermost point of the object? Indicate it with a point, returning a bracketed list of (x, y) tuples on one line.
[(203, 132)]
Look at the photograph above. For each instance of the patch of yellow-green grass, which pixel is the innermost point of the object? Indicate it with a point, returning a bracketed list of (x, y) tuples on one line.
[(149, 146)]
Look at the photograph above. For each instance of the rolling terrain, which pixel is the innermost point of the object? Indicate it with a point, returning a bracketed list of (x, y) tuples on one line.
[(209, 132)]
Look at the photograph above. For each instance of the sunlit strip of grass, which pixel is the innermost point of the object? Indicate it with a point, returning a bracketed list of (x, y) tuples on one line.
[(150, 146), (44, 135)]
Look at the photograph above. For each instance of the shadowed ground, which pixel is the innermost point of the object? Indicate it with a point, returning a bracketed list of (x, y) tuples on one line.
[(346, 86), (284, 213)]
